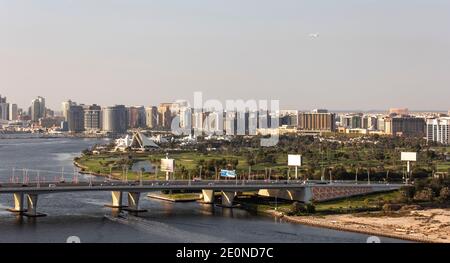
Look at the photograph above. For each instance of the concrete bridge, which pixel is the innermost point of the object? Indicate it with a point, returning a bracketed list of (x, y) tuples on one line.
[(304, 191)]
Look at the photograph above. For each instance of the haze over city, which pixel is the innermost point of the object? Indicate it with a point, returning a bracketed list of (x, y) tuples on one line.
[(339, 55)]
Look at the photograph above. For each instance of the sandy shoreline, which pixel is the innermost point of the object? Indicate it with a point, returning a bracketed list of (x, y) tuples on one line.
[(430, 226)]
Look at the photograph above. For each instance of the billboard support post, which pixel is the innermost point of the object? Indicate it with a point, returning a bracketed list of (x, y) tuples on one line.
[(167, 172)]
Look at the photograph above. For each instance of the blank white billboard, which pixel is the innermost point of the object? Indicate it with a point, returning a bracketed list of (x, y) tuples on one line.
[(409, 156), (294, 160), (167, 165)]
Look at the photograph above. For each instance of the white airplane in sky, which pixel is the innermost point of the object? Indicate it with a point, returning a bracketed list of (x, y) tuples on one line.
[(314, 35)]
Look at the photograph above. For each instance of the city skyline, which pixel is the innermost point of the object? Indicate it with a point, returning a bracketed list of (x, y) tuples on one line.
[(59, 106), (306, 54)]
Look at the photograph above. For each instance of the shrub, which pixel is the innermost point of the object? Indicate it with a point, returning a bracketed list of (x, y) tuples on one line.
[(407, 192), (444, 194), (310, 208), (297, 208), (424, 195), (391, 207)]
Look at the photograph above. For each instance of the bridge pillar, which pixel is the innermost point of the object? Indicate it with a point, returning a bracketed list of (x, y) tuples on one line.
[(32, 200), (18, 203), (307, 195), (228, 198), (116, 200), (133, 202), (208, 196)]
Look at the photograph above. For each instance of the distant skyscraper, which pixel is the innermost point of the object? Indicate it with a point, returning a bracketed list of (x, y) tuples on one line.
[(42, 108), (166, 112), (115, 119), (213, 123), (65, 108), (230, 122), (151, 116), (186, 118), (136, 117), (438, 130), (352, 121), (198, 119), (380, 123), (317, 121), (13, 112), (288, 117), (37, 109), (407, 126), (92, 118), (75, 118), (369, 122), (4, 109), (264, 119), (246, 122)]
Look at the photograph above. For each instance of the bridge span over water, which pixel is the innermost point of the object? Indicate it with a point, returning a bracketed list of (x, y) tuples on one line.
[(305, 191)]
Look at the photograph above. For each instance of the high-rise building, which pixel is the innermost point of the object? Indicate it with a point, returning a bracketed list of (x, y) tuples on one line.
[(13, 112), (42, 108), (4, 109), (230, 122), (438, 130), (115, 119), (37, 109), (213, 123), (136, 117), (151, 117), (265, 121), (166, 112), (380, 123), (289, 117), (92, 118), (317, 121), (404, 126), (186, 118), (198, 119), (75, 118), (352, 121), (65, 108), (246, 122), (369, 122)]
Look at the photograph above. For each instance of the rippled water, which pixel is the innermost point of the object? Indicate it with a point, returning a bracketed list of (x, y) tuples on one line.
[(83, 214)]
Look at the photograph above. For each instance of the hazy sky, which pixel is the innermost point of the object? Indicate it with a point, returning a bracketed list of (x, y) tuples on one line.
[(368, 55)]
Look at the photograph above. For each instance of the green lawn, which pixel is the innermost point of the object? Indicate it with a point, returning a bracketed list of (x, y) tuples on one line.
[(363, 201)]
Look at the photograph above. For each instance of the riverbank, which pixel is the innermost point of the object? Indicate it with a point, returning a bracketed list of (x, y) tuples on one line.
[(427, 226), (85, 170)]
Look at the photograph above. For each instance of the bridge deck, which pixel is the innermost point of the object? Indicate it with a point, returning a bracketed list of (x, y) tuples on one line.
[(150, 186)]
